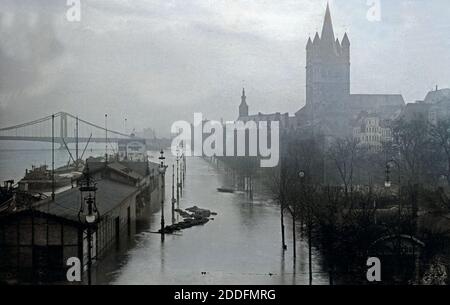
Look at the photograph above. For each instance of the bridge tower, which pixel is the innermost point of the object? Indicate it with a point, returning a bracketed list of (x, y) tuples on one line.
[(63, 125)]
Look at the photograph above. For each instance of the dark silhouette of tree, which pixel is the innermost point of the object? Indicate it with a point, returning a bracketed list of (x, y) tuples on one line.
[(440, 137)]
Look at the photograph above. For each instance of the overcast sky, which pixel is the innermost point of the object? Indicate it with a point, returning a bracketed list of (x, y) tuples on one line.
[(156, 61)]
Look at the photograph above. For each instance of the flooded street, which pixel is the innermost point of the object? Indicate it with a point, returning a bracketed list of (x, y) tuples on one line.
[(240, 246)]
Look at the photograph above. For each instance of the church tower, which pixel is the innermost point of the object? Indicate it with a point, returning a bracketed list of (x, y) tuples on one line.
[(327, 69), (243, 107)]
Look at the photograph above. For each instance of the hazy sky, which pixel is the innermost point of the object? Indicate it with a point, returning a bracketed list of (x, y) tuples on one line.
[(155, 61)]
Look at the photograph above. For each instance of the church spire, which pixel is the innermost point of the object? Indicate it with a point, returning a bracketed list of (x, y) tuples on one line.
[(316, 39), (327, 30), (345, 41), (243, 107), (309, 43)]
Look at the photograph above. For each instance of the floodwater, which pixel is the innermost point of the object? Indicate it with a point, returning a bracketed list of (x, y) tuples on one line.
[(242, 245)]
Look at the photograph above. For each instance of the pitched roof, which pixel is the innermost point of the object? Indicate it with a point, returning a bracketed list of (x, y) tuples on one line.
[(109, 195), (414, 111), (134, 169), (137, 167), (437, 96), (379, 99), (124, 170)]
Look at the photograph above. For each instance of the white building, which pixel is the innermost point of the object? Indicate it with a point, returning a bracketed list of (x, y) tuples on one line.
[(132, 150), (371, 132)]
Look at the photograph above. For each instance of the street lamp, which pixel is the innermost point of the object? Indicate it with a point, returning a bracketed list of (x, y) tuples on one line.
[(88, 215), (162, 171), (183, 158), (179, 169), (301, 174), (178, 179), (173, 194), (388, 182)]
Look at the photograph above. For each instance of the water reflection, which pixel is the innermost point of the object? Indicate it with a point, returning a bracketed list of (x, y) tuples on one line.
[(240, 246)]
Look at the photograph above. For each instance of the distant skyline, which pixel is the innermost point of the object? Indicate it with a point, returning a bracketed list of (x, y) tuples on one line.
[(157, 61)]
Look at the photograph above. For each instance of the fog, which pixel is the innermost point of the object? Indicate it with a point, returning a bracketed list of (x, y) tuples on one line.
[(157, 61)]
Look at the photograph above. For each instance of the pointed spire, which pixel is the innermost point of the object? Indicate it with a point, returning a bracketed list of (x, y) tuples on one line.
[(243, 97), (338, 46), (309, 43), (327, 30), (345, 41), (316, 39), (243, 107)]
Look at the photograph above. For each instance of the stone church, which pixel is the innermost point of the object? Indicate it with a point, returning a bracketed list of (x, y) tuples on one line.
[(330, 108)]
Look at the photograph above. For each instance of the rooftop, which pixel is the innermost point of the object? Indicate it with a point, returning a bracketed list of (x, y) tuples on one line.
[(109, 195), (437, 96)]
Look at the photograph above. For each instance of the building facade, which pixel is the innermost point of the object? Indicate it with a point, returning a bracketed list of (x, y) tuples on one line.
[(133, 149), (371, 132)]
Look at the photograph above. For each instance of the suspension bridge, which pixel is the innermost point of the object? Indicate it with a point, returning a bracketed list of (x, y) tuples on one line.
[(62, 128)]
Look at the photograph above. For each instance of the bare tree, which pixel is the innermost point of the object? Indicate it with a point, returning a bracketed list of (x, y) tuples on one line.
[(299, 156), (440, 135), (343, 153), (280, 184), (412, 140)]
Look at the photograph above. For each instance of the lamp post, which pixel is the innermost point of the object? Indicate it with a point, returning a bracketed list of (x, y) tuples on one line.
[(179, 171), (88, 214), (184, 168), (178, 179), (388, 181), (53, 157), (162, 171), (388, 184), (183, 158), (173, 194)]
